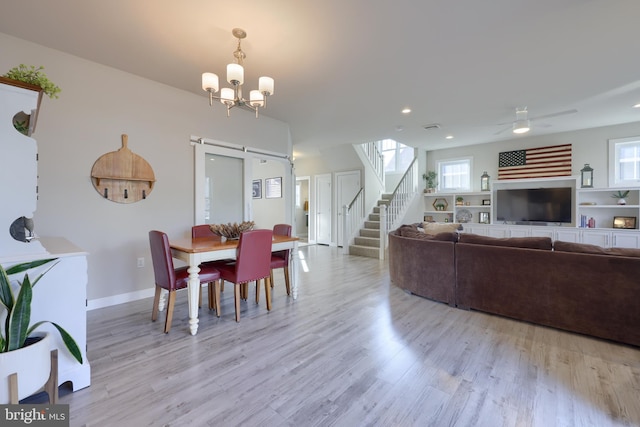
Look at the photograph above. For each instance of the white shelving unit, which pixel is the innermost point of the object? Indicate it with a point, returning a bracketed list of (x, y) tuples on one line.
[(473, 203), (598, 203)]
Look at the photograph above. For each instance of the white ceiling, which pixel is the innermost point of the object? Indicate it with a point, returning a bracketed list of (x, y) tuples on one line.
[(345, 68)]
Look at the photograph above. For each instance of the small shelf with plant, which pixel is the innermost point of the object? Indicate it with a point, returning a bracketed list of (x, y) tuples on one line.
[(31, 78)]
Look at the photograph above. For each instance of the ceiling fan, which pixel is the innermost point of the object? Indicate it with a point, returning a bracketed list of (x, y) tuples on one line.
[(522, 124)]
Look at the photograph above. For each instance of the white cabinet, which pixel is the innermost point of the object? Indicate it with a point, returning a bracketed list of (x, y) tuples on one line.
[(479, 229), (622, 239), (567, 235), (543, 232), (600, 238), (61, 297)]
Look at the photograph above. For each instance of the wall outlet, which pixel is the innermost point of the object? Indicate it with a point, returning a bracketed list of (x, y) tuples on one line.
[(140, 262)]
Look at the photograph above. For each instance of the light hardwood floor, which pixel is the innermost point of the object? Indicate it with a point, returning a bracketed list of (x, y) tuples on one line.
[(351, 351)]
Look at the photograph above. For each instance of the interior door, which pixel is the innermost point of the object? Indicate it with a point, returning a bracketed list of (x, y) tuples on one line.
[(323, 209), (347, 186)]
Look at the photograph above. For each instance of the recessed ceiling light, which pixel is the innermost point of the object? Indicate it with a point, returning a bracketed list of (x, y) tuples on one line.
[(449, 137), (406, 110), (637, 105)]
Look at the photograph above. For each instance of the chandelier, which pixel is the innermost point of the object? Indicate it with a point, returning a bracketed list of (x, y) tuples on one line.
[(232, 97)]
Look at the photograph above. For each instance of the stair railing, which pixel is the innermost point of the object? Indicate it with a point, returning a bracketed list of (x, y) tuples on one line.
[(401, 197), (372, 152), (383, 231), (352, 218)]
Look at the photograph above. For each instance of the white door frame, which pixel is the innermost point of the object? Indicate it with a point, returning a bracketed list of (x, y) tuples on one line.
[(320, 209), (342, 179)]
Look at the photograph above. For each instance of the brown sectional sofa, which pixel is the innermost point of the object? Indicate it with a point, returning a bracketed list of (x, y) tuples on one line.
[(423, 269), (574, 287)]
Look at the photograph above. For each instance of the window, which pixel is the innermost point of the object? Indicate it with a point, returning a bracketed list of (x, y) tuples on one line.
[(397, 156), (624, 162), (454, 174)]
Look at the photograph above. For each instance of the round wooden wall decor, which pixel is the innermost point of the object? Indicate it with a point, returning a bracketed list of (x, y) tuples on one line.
[(122, 176)]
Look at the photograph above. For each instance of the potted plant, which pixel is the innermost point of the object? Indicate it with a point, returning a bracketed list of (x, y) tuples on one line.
[(31, 76), (17, 345), (34, 76), (621, 196), (459, 201), (430, 180)]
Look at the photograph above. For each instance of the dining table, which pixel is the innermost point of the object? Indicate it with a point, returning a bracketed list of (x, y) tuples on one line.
[(195, 251)]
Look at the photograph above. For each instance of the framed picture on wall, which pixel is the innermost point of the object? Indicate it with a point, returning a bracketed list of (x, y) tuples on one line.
[(273, 188), (256, 189), (624, 222)]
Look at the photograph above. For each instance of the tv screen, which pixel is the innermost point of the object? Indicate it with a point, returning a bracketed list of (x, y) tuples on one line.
[(534, 205)]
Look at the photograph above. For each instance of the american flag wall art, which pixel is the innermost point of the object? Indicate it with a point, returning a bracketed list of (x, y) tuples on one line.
[(541, 162)]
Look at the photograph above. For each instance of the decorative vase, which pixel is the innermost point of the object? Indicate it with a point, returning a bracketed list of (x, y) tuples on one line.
[(622, 202), (32, 364)]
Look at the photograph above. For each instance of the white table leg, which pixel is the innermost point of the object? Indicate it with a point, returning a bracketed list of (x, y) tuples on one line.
[(293, 259), (193, 290)]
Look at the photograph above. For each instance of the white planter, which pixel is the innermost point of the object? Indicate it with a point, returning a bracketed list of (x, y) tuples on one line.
[(31, 363)]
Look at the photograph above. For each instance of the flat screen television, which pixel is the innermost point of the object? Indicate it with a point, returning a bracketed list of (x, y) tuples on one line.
[(534, 205)]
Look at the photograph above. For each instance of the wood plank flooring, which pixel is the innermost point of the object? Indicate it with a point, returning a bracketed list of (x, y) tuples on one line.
[(351, 351)]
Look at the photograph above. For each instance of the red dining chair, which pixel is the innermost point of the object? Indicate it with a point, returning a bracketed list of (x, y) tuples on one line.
[(253, 260), (280, 259), (170, 278), (204, 230)]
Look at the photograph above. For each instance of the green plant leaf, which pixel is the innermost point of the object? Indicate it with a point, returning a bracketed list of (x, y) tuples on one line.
[(6, 294), (20, 316), (21, 268), (69, 342), (35, 76)]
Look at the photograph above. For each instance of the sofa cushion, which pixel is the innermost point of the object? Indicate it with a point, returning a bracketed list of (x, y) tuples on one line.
[(584, 248), (440, 227), (544, 243), (414, 233)]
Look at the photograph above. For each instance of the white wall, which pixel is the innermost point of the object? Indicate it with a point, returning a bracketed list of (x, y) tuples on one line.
[(336, 159), (98, 104), (588, 146), (268, 212)]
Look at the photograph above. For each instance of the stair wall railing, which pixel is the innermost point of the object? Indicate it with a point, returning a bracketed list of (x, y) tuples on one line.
[(401, 197), (352, 219), (372, 152)]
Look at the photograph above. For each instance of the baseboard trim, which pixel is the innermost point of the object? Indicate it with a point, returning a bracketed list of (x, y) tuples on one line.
[(95, 304)]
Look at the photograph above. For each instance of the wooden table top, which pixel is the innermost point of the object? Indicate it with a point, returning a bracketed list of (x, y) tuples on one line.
[(206, 244)]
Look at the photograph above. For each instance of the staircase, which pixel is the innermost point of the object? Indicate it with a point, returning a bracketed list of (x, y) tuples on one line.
[(367, 243)]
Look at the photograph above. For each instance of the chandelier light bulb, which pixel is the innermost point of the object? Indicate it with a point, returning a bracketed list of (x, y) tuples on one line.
[(265, 85), (235, 74), (226, 95), (257, 100), (210, 82)]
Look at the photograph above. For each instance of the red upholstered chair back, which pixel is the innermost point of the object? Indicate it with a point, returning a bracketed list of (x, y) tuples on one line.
[(282, 230), (253, 260), (162, 261), (203, 231)]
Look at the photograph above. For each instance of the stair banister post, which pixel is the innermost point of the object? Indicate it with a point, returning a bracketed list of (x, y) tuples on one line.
[(383, 229), (345, 230)]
